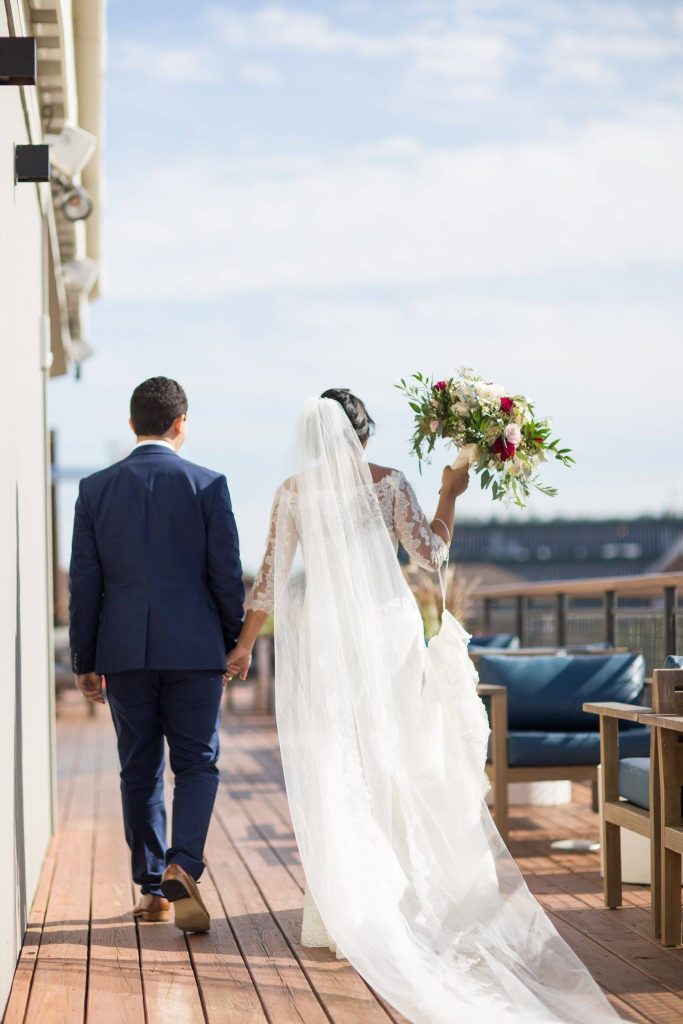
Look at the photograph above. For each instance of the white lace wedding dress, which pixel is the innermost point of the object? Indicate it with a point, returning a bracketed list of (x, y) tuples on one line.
[(405, 522), (383, 742)]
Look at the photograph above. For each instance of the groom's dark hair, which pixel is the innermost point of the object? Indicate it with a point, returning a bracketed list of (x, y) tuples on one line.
[(155, 404)]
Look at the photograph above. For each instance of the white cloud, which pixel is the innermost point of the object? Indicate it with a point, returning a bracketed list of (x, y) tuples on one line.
[(599, 197), (458, 58), (173, 65), (260, 74), (284, 28), (475, 53), (600, 59), (465, 54), (456, 53)]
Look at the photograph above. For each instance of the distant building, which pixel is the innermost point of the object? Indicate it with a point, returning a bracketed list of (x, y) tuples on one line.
[(568, 549)]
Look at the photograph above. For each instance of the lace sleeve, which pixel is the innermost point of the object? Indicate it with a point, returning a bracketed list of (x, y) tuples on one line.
[(262, 596), (413, 530)]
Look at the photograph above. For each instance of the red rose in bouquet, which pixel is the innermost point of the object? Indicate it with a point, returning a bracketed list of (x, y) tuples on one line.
[(503, 449)]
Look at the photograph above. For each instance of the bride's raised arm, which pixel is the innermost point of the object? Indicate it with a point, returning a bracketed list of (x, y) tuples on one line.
[(281, 531), (427, 543)]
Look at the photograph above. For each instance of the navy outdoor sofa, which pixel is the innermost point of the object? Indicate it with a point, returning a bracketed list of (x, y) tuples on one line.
[(539, 731)]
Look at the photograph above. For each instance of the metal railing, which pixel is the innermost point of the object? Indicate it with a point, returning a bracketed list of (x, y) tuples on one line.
[(639, 612)]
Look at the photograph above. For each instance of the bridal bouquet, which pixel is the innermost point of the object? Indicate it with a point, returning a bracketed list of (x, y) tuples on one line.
[(497, 433)]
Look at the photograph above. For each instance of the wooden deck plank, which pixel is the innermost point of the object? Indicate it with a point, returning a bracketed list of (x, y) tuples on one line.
[(70, 751), (617, 982), (256, 771), (247, 771), (115, 984), (228, 991), (257, 783), (23, 976), (280, 982), (81, 962), (267, 848), (253, 773), (580, 884), (605, 958), (632, 969), (626, 930), (169, 983), (59, 986)]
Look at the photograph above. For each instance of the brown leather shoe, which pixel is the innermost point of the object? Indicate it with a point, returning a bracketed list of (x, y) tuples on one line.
[(188, 907), (152, 908)]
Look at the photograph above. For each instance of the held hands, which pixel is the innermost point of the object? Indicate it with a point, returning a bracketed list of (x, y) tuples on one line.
[(455, 481), (90, 685), (239, 661)]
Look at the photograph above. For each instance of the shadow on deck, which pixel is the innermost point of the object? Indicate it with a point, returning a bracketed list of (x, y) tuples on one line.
[(86, 960)]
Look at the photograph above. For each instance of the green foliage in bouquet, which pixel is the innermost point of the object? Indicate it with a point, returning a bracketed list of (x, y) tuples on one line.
[(498, 432)]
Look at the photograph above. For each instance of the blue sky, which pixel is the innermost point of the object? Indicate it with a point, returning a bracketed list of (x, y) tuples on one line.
[(305, 195)]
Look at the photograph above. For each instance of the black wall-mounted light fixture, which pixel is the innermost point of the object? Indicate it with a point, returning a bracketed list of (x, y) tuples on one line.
[(32, 163), (18, 60)]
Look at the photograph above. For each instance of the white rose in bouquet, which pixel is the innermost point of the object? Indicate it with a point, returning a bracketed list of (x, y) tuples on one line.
[(513, 434), (490, 392)]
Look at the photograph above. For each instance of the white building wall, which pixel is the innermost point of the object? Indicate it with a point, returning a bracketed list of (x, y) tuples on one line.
[(25, 670)]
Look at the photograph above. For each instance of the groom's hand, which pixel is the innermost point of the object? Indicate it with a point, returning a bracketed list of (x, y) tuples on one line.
[(90, 685), (238, 663)]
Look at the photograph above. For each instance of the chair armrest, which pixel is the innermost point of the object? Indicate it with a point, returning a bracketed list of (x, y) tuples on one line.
[(614, 709), (490, 689), (674, 722), (610, 713)]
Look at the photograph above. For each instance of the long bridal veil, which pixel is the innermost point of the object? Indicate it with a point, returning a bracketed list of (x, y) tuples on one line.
[(384, 746)]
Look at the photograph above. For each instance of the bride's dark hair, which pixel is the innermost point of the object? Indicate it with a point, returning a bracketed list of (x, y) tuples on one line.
[(361, 420)]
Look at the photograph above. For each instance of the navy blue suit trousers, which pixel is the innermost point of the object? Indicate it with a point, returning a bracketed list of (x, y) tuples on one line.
[(184, 707)]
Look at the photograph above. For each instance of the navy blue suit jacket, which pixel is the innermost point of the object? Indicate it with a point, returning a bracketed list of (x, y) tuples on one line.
[(156, 580)]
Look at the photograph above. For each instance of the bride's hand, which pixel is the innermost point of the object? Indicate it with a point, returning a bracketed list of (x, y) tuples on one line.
[(455, 481), (239, 661)]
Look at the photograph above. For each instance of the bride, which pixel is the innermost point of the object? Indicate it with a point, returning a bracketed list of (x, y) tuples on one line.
[(383, 745)]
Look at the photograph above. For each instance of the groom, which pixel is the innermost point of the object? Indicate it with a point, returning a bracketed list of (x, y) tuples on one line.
[(156, 604)]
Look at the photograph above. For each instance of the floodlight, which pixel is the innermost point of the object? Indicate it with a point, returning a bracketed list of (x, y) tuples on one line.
[(80, 275), (71, 149), (81, 350)]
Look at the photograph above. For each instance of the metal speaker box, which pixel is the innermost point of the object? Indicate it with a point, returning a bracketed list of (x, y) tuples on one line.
[(18, 60), (32, 163)]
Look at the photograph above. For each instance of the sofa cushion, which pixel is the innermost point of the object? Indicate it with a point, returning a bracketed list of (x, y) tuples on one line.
[(634, 780), (674, 661), (547, 693), (553, 748), (499, 640)]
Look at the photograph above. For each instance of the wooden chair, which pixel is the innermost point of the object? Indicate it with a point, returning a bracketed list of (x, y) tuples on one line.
[(667, 728), (622, 806), (530, 717), (617, 813)]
